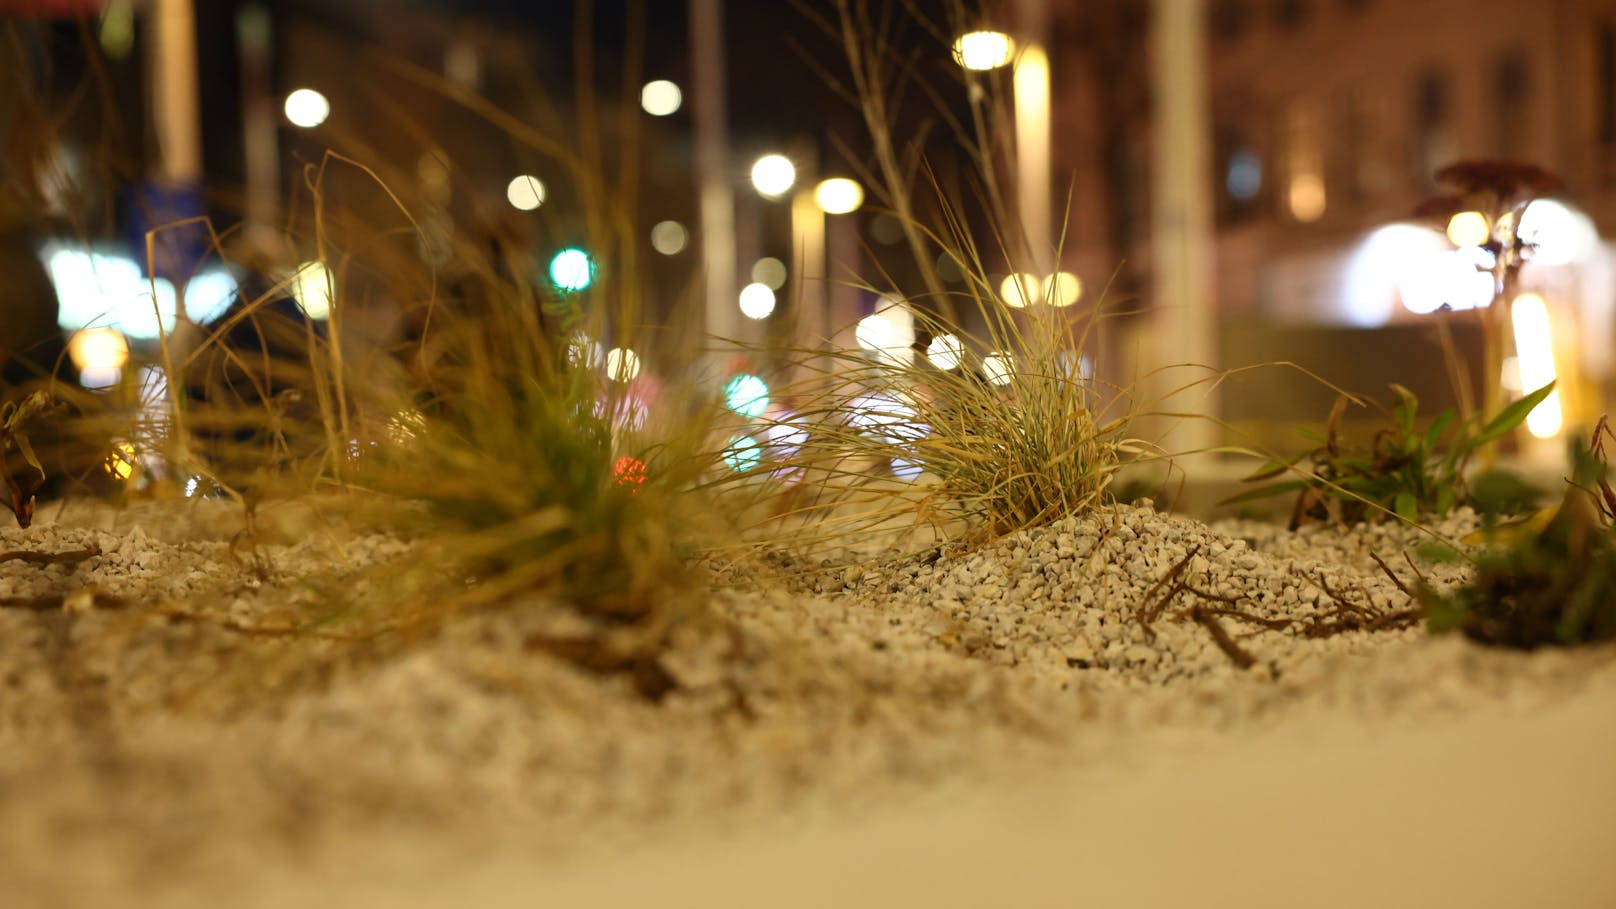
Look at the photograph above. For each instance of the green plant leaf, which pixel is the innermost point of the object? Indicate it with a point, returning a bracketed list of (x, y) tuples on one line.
[(1406, 507), (1510, 417), (1438, 426), (1274, 468)]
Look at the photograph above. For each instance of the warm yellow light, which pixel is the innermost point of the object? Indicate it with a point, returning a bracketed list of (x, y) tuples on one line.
[(311, 288), (120, 463), (1534, 352), (773, 175), (983, 50), (525, 192), (98, 348), (999, 368), (838, 196), (1469, 228), (757, 301), (622, 364), (307, 108), (1307, 197), (660, 98), (1062, 289), (1020, 290)]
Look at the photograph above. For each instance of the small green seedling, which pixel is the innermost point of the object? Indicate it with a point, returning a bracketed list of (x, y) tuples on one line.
[(1406, 472)]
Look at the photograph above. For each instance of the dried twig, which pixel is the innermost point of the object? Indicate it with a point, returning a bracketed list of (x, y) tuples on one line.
[(1148, 611), (1394, 578), (1220, 637)]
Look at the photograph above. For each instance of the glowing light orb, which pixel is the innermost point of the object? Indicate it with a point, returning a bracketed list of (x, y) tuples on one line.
[(983, 50), (998, 368), (887, 417), (582, 351), (770, 272), (669, 237), (1469, 228), (757, 301), (307, 108), (945, 351), (743, 453), (838, 196), (525, 192), (622, 364), (1020, 290), (572, 270), (630, 472), (773, 175), (98, 348), (1560, 235), (311, 287), (747, 395), (1062, 289), (889, 332), (659, 98)]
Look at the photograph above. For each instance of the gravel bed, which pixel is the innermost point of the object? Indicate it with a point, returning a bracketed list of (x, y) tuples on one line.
[(159, 732)]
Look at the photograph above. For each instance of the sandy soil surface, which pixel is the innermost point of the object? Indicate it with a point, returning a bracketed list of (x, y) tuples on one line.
[(1046, 722)]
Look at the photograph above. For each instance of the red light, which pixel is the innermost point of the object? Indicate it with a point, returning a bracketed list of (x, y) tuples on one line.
[(629, 472)]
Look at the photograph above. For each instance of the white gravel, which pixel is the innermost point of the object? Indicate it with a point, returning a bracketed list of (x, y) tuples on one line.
[(159, 731)]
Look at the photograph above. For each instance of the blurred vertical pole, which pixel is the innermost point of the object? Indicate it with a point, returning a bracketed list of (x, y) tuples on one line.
[(176, 102), (717, 196), (259, 125), (809, 282), (1031, 81), (1183, 320)]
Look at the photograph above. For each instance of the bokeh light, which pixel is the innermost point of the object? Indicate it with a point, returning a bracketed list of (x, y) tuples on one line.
[(120, 462), (983, 50), (571, 269), (945, 351), (669, 237), (889, 332), (773, 175), (887, 416), (630, 472), (100, 355), (311, 287), (1020, 290), (1560, 234), (583, 351), (770, 272), (1469, 228), (659, 98), (757, 301), (747, 395), (525, 192), (307, 108), (743, 453), (622, 364), (838, 196), (998, 368), (1534, 352), (1062, 289)]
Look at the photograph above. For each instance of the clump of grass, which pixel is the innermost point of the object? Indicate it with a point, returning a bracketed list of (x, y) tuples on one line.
[(1018, 433), (1556, 586), (15, 421), (1407, 471)]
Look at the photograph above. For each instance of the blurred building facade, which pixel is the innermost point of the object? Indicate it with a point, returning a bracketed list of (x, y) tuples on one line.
[(1328, 119)]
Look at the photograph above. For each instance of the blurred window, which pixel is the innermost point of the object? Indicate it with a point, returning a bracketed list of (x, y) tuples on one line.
[(1433, 144), (1305, 196), (1509, 105)]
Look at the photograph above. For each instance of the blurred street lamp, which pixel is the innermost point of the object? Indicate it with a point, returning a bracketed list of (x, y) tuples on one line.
[(525, 193), (1469, 228), (757, 301), (838, 196), (983, 50), (660, 98), (773, 175), (307, 108)]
